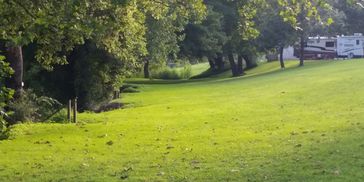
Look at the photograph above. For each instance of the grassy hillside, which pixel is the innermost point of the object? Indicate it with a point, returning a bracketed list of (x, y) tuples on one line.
[(298, 124)]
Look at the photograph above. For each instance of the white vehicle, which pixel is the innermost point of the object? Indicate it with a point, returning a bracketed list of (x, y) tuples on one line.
[(318, 48), (321, 47), (350, 46)]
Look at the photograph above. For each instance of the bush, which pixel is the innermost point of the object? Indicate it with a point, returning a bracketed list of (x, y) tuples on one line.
[(186, 72), (30, 107), (167, 74), (5, 93), (2, 127), (174, 73), (59, 117)]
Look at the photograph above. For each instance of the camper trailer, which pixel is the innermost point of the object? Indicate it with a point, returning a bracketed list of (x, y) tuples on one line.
[(318, 48), (332, 47), (350, 46)]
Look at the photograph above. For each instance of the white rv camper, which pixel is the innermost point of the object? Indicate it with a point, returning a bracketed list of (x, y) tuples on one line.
[(350, 46), (318, 48)]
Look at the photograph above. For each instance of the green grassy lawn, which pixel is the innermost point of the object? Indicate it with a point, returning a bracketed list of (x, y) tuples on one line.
[(298, 124)]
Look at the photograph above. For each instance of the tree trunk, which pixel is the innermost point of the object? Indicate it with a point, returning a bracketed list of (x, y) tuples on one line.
[(281, 50), (302, 49), (233, 66), (146, 68), (14, 56), (250, 63), (212, 64), (240, 68), (219, 62)]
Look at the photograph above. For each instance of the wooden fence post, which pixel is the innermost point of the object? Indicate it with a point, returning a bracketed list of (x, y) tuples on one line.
[(75, 110)]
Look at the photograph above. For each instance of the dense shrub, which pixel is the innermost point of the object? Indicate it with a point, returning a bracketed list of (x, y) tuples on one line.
[(167, 73), (186, 72), (59, 117), (30, 107), (2, 126), (5, 93)]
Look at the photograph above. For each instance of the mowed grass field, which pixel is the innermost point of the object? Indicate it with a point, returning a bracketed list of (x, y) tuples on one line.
[(298, 124)]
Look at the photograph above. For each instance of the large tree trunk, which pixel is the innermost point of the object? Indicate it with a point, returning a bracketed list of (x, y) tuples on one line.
[(212, 64), (250, 63), (233, 66), (219, 62), (146, 68), (302, 49), (281, 50), (240, 68), (14, 56)]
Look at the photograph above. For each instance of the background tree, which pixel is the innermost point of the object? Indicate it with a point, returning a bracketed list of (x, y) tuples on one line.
[(165, 29), (161, 42), (301, 14), (238, 25), (340, 22), (205, 40), (275, 34), (58, 26), (352, 13)]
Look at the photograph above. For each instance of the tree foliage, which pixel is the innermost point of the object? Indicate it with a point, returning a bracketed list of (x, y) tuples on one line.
[(165, 29), (118, 29), (352, 14), (205, 39), (5, 93), (5, 72), (299, 12), (58, 26), (302, 15)]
